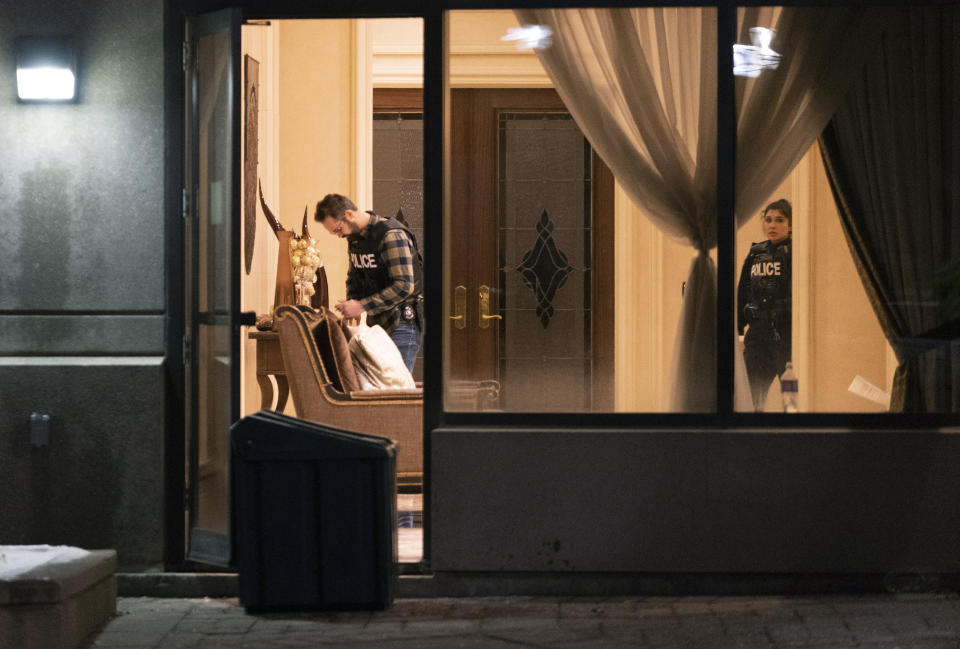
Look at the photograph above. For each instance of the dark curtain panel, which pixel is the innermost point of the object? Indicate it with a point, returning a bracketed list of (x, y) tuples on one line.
[(892, 153)]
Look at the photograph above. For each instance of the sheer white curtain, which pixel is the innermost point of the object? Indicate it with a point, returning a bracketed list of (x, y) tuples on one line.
[(641, 84)]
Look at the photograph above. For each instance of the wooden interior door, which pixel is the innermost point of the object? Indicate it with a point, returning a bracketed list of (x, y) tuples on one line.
[(530, 257)]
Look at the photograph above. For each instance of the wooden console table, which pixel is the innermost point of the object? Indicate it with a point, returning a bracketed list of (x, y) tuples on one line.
[(270, 362)]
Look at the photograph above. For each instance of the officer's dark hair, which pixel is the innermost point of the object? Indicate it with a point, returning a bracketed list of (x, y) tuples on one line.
[(333, 206), (783, 206)]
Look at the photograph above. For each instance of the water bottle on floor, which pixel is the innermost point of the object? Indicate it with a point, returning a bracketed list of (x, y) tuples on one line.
[(788, 388)]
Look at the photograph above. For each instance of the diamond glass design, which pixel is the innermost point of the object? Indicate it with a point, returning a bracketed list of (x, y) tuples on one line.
[(544, 269)]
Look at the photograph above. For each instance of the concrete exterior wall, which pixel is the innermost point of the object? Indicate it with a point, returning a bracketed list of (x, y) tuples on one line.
[(82, 285), (571, 502)]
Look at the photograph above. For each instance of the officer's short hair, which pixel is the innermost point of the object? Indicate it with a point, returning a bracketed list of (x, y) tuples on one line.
[(333, 206), (783, 206)]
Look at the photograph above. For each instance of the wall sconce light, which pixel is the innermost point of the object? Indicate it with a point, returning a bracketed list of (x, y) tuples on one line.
[(46, 69)]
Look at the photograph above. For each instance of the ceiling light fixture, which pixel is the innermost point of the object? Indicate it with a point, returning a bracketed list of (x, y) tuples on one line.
[(751, 60), (535, 37)]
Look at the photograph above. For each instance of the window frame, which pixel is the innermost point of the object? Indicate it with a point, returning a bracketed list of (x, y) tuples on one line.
[(725, 416), (434, 16)]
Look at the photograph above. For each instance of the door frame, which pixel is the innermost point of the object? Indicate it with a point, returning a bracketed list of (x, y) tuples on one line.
[(174, 443), (187, 546)]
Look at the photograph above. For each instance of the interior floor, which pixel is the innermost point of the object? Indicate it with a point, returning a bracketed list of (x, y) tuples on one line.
[(409, 528)]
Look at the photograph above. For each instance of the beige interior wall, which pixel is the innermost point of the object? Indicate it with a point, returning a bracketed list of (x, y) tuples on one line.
[(397, 48), (259, 42), (314, 94), (639, 292), (479, 59), (318, 128), (846, 337), (650, 273)]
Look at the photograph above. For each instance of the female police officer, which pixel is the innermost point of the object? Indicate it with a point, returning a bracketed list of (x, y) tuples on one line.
[(763, 301)]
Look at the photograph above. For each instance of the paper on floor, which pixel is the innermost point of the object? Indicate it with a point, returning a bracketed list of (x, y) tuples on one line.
[(868, 390)]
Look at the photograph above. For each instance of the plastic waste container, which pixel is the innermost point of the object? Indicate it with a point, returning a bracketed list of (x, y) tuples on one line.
[(314, 515)]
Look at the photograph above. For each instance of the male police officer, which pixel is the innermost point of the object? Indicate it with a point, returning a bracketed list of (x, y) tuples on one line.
[(763, 301), (385, 276)]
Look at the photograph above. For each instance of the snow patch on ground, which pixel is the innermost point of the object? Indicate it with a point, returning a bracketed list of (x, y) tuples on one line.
[(18, 559)]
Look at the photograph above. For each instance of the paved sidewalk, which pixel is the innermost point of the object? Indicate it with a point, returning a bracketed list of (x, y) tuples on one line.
[(914, 621)]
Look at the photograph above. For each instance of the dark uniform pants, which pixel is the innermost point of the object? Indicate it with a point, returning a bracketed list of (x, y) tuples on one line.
[(766, 355)]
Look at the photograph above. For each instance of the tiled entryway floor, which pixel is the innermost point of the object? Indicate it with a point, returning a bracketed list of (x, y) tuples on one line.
[(409, 528)]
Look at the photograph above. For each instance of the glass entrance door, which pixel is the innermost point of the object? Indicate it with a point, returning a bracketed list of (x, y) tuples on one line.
[(211, 344)]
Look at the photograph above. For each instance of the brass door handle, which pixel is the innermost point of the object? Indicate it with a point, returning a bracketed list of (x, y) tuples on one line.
[(485, 316), (459, 307)]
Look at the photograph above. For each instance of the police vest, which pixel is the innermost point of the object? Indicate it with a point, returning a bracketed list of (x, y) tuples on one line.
[(369, 273), (769, 288)]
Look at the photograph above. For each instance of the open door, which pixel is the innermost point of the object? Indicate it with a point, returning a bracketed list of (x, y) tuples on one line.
[(212, 233)]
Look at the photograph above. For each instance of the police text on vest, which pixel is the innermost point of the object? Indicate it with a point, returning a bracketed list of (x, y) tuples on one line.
[(363, 261), (765, 269)]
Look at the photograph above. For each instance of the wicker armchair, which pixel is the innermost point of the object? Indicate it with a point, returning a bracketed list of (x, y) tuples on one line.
[(314, 361)]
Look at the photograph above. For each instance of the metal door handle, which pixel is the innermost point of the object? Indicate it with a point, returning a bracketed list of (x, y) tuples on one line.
[(459, 307), (485, 316)]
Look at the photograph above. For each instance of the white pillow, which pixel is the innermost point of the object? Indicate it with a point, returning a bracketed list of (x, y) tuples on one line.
[(377, 360)]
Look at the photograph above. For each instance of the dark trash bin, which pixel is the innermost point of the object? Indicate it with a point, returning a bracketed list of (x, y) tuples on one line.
[(314, 514)]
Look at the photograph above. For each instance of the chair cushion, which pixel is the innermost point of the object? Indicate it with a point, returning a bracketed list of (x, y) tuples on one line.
[(335, 352)]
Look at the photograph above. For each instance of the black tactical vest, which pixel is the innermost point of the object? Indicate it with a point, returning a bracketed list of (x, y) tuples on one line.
[(769, 289), (369, 274)]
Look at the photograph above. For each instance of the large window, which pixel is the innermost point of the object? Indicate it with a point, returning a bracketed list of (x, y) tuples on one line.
[(836, 262), (799, 298), (847, 153), (564, 289)]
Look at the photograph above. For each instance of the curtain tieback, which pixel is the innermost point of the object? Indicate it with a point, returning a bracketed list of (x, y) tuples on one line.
[(910, 347)]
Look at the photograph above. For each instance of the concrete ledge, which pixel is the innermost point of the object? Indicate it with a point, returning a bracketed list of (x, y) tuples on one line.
[(58, 606), (55, 582)]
